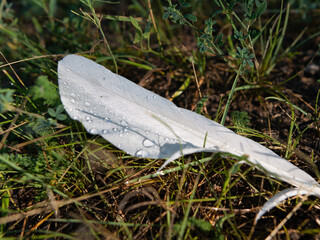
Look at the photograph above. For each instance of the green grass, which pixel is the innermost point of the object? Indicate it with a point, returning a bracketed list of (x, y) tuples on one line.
[(239, 64)]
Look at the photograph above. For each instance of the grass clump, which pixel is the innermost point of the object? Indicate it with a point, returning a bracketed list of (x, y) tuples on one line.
[(242, 63)]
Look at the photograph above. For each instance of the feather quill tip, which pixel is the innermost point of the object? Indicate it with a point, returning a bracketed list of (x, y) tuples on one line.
[(281, 196)]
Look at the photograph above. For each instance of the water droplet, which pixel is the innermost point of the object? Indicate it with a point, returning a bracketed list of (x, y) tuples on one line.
[(93, 131), (76, 118), (166, 139), (123, 123), (141, 153), (147, 132), (72, 100), (121, 135), (147, 143), (115, 129), (87, 104), (125, 130), (88, 119), (119, 145), (66, 83), (73, 95), (106, 119), (105, 131)]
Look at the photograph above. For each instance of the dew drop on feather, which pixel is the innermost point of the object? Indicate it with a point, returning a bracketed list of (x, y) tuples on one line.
[(88, 119), (147, 143), (123, 123), (141, 153), (93, 131)]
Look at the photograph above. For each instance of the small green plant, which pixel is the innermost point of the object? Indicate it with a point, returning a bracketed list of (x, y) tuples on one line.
[(240, 119), (92, 17), (6, 97), (207, 40), (57, 113), (41, 126), (45, 91), (174, 12), (243, 28)]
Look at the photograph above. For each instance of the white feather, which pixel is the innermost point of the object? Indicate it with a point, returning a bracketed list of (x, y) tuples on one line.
[(145, 124)]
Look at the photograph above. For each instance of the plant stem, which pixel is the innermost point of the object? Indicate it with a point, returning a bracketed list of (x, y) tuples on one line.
[(224, 116)]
